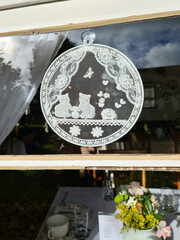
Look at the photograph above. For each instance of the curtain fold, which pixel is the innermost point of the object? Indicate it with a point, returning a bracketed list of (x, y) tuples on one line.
[(23, 62)]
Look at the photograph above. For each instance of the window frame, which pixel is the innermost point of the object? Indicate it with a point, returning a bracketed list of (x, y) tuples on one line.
[(15, 26), (123, 162), (64, 15)]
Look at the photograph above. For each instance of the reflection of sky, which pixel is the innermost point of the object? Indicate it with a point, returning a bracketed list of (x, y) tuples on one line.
[(21, 52), (152, 43), (16, 50)]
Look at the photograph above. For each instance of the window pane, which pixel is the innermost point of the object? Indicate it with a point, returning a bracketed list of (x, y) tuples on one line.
[(154, 47), (26, 196)]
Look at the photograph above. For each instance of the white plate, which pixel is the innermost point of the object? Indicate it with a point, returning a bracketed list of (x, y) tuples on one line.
[(70, 235), (67, 209)]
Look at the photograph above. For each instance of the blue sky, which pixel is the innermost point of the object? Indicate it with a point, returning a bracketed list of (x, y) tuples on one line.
[(152, 43)]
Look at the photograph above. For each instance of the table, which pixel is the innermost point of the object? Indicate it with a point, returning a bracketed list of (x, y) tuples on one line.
[(89, 196), (92, 198)]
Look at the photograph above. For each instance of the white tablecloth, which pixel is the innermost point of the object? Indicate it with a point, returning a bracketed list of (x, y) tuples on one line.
[(92, 198)]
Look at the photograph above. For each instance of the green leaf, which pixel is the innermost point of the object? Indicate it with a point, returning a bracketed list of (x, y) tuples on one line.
[(118, 198), (159, 216), (126, 197), (149, 206), (145, 210), (148, 195), (126, 191)]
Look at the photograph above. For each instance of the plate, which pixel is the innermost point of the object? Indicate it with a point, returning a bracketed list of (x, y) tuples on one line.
[(67, 209), (70, 235)]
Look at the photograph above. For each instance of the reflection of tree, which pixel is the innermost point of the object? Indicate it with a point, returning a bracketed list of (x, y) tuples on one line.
[(7, 71), (8, 78)]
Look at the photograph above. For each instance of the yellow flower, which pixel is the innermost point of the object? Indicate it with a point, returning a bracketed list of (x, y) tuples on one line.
[(139, 206)]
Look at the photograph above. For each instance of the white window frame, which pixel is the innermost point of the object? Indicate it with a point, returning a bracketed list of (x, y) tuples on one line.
[(72, 14)]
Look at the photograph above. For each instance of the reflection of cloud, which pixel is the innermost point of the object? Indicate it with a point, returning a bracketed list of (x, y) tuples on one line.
[(140, 40), (21, 51), (6, 45), (166, 55)]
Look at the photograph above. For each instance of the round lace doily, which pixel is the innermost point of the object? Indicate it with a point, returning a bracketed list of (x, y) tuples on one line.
[(91, 95)]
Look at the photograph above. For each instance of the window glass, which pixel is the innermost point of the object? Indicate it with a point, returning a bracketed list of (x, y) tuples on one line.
[(26, 196), (154, 47)]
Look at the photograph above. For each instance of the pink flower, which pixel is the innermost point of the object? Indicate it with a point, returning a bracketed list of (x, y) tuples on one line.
[(163, 230), (135, 189)]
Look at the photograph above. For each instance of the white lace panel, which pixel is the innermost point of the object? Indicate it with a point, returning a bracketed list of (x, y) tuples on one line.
[(91, 95)]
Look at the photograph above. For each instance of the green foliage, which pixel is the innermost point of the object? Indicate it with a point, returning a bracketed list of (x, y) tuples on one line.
[(159, 216), (148, 206), (137, 211), (119, 198), (133, 219)]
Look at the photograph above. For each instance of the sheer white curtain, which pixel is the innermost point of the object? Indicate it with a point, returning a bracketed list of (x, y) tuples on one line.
[(23, 62)]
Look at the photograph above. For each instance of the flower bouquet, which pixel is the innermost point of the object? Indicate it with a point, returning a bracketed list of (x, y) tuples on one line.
[(137, 208)]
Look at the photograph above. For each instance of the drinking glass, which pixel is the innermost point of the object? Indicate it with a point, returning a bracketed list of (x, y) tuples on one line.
[(167, 202), (107, 191), (81, 217), (177, 201)]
